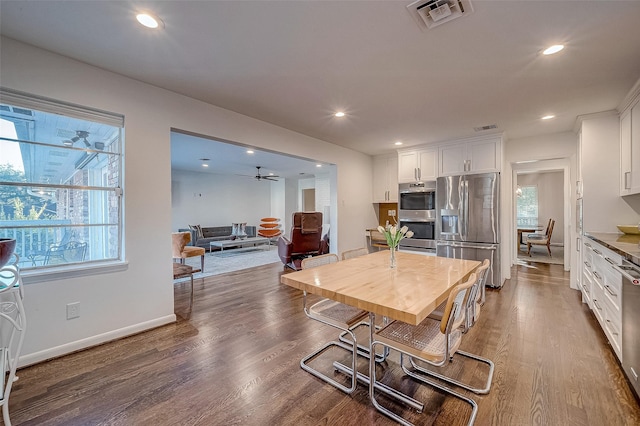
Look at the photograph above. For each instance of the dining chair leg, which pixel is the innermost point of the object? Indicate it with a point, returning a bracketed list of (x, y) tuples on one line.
[(202, 263), (480, 391), (373, 386), (354, 353)]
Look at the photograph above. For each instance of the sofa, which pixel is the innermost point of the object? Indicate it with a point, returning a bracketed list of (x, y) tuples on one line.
[(214, 233)]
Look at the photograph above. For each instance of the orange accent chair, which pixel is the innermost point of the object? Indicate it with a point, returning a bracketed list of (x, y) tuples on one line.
[(269, 227), (180, 250)]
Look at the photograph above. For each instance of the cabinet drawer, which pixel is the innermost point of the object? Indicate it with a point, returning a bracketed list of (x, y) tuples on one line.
[(612, 286), (586, 288), (612, 329), (598, 305)]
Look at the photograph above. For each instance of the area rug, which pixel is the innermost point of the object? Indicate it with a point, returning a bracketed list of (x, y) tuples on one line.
[(540, 254), (217, 263)]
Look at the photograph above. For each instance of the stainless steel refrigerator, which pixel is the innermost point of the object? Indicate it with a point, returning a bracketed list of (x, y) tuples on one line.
[(468, 220)]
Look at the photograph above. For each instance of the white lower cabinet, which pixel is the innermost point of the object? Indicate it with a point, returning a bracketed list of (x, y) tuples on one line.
[(604, 285)]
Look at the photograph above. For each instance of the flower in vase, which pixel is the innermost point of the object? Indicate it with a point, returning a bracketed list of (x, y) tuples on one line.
[(394, 235)]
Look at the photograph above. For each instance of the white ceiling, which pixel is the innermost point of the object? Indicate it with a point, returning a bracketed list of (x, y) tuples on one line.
[(294, 63), (233, 159)]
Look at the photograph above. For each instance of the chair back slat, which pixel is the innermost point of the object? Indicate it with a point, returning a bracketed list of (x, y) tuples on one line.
[(455, 310), (350, 254), (315, 261)]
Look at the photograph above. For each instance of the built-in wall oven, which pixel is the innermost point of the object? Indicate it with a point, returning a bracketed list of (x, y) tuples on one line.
[(417, 204)]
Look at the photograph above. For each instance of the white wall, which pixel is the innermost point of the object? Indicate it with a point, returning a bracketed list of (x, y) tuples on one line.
[(217, 200), (550, 199), (141, 296), (603, 207), (556, 151)]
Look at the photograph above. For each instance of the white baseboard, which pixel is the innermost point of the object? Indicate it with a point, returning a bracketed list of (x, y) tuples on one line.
[(88, 342)]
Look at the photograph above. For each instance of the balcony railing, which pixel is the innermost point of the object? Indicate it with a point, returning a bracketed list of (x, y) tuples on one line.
[(34, 237)]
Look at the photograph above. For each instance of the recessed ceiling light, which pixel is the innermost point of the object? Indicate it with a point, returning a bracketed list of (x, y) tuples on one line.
[(548, 117), (270, 174), (339, 114), (398, 143), (149, 20), (205, 165), (249, 151), (318, 165), (553, 49)]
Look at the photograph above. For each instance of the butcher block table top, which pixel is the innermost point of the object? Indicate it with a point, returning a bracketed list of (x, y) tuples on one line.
[(407, 293)]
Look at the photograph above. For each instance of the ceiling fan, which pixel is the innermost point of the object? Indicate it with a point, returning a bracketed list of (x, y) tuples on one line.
[(262, 177), (80, 134)]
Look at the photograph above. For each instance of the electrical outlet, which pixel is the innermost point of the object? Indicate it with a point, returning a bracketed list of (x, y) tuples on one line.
[(73, 310), (392, 213)]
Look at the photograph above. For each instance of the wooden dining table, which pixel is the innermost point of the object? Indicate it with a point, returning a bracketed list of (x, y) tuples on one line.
[(525, 229), (409, 292)]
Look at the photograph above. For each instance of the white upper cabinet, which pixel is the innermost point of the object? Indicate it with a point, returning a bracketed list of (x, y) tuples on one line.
[(385, 179), (418, 165), (470, 157), (630, 150)]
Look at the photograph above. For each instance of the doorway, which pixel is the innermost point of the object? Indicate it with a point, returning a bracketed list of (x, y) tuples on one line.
[(309, 200), (539, 216), (551, 180)]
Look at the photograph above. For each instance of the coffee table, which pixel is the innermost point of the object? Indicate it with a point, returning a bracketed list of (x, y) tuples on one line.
[(239, 243)]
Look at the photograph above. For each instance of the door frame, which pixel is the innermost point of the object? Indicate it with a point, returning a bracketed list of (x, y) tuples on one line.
[(559, 164)]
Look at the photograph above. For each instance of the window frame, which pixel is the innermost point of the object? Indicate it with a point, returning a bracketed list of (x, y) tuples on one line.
[(537, 206), (113, 157)]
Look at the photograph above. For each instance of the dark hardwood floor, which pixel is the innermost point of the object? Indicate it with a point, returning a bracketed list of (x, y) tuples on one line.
[(235, 360)]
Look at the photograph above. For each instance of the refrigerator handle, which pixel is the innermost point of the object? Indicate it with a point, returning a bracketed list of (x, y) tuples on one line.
[(465, 245), (465, 209)]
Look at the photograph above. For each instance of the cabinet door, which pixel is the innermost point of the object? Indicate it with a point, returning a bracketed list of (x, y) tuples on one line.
[(392, 179), (453, 159), (385, 179), (625, 153), (407, 166), (428, 164), (635, 149), (483, 157), (379, 179)]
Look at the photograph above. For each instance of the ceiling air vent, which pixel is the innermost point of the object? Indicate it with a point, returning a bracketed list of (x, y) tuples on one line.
[(483, 128), (435, 12)]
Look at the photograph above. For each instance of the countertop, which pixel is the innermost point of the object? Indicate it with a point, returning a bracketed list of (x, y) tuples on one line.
[(625, 245)]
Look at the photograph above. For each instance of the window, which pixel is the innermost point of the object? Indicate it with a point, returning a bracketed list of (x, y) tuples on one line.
[(60, 181), (527, 206)]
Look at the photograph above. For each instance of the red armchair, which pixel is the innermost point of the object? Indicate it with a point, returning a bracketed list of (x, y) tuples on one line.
[(305, 240)]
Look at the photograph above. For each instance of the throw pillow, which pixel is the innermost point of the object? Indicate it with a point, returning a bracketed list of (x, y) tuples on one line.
[(198, 230)]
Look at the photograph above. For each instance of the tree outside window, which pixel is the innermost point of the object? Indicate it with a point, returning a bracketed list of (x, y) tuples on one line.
[(527, 206)]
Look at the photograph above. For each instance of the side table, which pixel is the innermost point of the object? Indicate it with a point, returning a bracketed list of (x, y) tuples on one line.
[(183, 271), (11, 313)]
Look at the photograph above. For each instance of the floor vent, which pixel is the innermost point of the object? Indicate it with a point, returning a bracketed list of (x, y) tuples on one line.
[(431, 13)]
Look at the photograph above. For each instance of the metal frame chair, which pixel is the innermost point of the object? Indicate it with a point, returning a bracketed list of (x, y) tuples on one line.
[(335, 314), (350, 254), (472, 313), (432, 341), (71, 252)]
